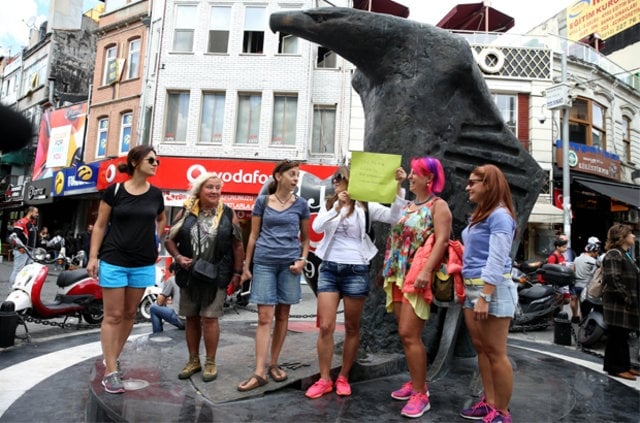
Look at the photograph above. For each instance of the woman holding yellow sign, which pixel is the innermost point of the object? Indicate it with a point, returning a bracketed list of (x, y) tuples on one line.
[(345, 251)]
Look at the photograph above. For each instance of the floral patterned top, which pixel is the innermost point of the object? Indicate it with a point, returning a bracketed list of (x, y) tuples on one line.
[(405, 237)]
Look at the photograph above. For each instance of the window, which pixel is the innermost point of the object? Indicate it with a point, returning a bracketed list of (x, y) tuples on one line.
[(186, 16), (326, 58), (587, 123), (253, 30), (626, 137), (248, 118), (110, 66), (219, 29), (287, 44), (134, 59), (125, 132), (103, 133), (508, 106), (285, 108), (324, 128), (177, 114), (35, 76), (212, 119)]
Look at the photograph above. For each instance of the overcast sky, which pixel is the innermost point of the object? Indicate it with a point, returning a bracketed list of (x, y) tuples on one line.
[(17, 15)]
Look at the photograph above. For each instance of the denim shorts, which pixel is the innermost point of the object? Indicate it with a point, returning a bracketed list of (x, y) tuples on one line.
[(351, 280), (112, 276), (503, 300), (275, 284)]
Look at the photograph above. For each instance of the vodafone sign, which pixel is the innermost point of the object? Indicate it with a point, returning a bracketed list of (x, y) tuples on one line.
[(177, 173)]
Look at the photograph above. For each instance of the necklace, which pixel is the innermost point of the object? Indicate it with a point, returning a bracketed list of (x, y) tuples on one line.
[(281, 201), (207, 212), (419, 203)]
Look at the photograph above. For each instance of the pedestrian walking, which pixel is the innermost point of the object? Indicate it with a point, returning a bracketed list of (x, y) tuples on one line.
[(491, 295), (26, 229), (427, 214), (276, 255), (345, 251), (133, 212), (208, 232)]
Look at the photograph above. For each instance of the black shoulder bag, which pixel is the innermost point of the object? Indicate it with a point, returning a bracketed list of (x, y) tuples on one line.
[(203, 270)]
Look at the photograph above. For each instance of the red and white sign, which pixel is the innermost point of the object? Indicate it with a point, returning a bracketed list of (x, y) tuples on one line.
[(177, 173)]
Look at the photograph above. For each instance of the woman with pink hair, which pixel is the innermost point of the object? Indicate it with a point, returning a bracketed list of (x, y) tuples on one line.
[(427, 214)]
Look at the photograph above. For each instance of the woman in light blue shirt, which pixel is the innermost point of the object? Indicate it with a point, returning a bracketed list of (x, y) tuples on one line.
[(491, 295)]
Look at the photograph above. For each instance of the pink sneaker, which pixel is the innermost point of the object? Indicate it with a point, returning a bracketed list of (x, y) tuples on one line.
[(417, 405), (319, 388), (342, 386), (405, 392)]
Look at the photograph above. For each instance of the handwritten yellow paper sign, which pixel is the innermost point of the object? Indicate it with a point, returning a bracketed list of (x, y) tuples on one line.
[(372, 176)]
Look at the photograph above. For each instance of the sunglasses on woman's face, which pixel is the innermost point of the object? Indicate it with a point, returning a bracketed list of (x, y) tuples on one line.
[(337, 179), (152, 161), (472, 182)]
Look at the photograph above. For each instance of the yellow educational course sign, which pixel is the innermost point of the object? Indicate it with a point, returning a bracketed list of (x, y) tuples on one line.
[(372, 176), (604, 17)]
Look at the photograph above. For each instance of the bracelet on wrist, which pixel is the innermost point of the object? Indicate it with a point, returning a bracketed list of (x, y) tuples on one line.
[(178, 256), (302, 258)]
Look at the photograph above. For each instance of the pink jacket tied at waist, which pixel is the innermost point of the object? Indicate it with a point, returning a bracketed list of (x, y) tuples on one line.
[(452, 260)]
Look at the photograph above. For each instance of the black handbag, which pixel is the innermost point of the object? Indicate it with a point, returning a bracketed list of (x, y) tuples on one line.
[(205, 271)]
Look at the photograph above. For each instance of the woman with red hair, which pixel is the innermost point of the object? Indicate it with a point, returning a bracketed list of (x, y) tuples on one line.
[(491, 295)]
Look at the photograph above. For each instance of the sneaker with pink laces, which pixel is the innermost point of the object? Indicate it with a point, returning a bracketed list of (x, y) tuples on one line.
[(417, 405), (342, 386), (477, 411), (405, 392), (496, 416), (319, 388)]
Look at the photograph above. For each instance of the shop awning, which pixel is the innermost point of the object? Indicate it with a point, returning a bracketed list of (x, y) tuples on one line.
[(628, 194), (382, 6), (476, 17), (545, 212)]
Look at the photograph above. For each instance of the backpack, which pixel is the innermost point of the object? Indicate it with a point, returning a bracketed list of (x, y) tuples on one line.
[(595, 287)]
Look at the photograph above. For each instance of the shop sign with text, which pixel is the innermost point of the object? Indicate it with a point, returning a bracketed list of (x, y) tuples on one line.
[(178, 173), (591, 160)]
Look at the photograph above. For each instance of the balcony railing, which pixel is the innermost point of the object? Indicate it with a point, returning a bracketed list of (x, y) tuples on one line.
[(574, 50)]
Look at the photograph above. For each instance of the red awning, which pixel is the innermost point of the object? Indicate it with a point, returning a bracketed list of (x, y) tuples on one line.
[(476, 17), (382, 6)]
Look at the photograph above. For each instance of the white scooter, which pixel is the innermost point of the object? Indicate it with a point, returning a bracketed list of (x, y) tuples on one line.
[(151, 295)]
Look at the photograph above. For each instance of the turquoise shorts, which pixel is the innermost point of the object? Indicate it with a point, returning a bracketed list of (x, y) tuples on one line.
[(112, 276)]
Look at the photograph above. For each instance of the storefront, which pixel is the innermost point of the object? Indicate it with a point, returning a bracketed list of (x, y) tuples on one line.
[(599, 196)]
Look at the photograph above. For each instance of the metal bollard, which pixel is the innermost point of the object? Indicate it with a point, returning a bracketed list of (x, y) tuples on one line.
[(8, 324)]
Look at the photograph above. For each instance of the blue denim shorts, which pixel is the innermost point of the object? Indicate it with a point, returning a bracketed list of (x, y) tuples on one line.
[(351, 280), (112, 276), (503, 301), (274, 284)]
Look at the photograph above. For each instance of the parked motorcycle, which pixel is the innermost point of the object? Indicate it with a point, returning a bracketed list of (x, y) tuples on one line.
[(78, 295), (592, 328), (538, 303)]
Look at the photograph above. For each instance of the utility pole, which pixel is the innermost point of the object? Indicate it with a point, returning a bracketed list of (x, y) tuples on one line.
[(566, 183)]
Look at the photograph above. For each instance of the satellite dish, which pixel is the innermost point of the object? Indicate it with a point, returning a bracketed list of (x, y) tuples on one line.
[(30, 22)]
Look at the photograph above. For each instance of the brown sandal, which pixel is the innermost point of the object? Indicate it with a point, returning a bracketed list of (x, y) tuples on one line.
[(625, 375), (276, 373), (247, 386)]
